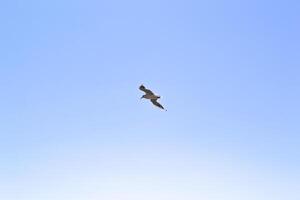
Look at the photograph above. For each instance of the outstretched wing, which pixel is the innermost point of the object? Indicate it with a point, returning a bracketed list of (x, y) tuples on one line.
[(146, 90), (154, 101)]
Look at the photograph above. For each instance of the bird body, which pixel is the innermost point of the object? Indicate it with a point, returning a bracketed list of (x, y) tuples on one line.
[(151, 96)]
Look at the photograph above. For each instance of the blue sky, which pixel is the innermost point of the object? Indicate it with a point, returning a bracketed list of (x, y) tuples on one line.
[(73, 126)]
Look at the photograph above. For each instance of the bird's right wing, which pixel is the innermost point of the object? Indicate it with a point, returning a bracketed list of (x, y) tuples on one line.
[(146, 90), (154, 101)]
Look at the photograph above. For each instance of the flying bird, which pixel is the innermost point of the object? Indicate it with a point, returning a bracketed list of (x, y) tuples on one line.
[(151, 96)]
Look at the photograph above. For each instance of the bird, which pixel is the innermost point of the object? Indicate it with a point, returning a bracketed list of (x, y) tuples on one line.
[(151, 96)]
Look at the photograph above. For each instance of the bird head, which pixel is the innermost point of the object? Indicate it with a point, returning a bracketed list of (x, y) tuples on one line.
[(143, 96)]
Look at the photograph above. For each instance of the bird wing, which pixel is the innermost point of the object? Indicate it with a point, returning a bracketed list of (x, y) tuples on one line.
[(146, 90), (154, 101)]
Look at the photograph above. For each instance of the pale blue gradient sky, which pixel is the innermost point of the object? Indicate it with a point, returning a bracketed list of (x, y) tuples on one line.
[(73, 127)]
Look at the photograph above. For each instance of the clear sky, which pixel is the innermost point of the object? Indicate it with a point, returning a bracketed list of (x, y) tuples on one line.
[(73, 126)]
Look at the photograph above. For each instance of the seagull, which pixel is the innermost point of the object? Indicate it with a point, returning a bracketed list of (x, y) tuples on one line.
[(151, 96)]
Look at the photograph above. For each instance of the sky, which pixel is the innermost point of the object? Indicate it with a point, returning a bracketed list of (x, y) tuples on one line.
[(73, 125)]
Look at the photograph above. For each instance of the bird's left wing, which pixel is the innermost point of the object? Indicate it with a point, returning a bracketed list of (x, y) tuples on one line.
[(144, 89)]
